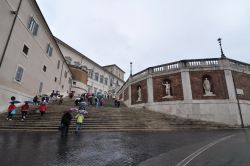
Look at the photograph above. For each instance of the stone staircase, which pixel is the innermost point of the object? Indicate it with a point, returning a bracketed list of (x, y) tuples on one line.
[(106, 118)]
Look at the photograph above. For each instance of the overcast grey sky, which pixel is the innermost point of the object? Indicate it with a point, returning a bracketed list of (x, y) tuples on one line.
[(151, 32)]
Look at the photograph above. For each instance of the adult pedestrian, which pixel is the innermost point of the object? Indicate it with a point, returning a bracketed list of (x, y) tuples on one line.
[(35, 100), (118, 103), (97, 102), (65, 122)]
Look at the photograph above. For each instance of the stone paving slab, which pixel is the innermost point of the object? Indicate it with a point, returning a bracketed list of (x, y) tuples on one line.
[(102, 148)]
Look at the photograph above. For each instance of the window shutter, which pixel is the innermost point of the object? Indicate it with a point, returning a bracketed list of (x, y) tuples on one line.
[(19, 74), (58, 64), (29, 22), (47, 51), (35, 29), (51, 50), (41, 87)]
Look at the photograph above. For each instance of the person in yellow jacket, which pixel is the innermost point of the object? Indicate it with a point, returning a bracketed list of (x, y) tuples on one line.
[(79, 120)]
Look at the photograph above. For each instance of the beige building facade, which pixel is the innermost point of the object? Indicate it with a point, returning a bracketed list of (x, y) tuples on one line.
[(100, 79), (31, 62)]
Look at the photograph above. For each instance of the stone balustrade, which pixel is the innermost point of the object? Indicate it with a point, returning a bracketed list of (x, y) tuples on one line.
[(188, 99), (191, 64)]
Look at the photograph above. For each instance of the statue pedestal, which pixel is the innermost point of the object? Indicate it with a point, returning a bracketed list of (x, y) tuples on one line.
[(167, 97), (138, 100), (209, 94)]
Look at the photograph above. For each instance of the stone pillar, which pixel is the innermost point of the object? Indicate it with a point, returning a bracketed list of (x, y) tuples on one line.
[(186, 84), (150, 90), (230, 84)]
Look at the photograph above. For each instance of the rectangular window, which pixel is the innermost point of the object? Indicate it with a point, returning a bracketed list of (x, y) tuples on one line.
[(55, 79), (40, 87), (74, 83), (76, 63), (96, 76), (70, 80), (106, 81), (101, 78), (89, 88), (49, 50), (90, 73), (44, 68), (25, 49), (19, 74), (111, 82), (65, 74), (58, 64), (33, 26)]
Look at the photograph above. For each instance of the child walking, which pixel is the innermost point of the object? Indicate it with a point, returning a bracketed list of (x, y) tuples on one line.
[(79, 120), (42, 108), (11, 110), (24, 110)]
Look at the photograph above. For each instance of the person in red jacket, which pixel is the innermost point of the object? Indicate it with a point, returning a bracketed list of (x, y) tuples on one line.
[(24, 110), (11, 108), (42, 108)]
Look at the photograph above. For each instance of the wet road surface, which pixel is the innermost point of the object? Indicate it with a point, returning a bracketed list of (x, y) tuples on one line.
[(126, 148)]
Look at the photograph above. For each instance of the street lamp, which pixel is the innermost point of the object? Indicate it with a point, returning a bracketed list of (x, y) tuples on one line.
[(222, 54)]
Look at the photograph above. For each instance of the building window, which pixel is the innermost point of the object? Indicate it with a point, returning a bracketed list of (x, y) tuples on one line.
[(90, 73), (33, 26), (40, 87), (70, 80), (19, 74), (25, 49), (89, 89), (44, 68), (49, 50), (111, 82), (55, 79), (62, 86), (101, 78), (76, 63), (96, 76), (68, 59), (106, 81), (58, 64), (74, 83), (65, 74)]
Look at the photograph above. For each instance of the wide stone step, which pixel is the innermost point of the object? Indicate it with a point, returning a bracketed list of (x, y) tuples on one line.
[(107, 118)]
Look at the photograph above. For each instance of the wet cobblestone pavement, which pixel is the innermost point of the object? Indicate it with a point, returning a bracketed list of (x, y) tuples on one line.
[(95, 148)]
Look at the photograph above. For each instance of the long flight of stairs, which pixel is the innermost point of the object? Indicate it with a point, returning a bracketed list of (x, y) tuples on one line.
[(105, 118)]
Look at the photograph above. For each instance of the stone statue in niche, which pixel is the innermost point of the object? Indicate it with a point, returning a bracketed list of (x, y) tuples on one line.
[(139, 94), (167, 90), (207, 88)]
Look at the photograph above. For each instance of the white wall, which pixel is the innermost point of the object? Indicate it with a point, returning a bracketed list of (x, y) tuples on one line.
[(33, 62)]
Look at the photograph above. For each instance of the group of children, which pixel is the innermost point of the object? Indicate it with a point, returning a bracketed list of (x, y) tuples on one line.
[(24, 110), (65, 121)]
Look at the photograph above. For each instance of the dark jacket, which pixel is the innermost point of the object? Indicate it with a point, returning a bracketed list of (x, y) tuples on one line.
[(66, 118)]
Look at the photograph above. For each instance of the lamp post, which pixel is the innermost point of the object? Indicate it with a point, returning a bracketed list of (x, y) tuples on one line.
[(130, 68), (222, 54)]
